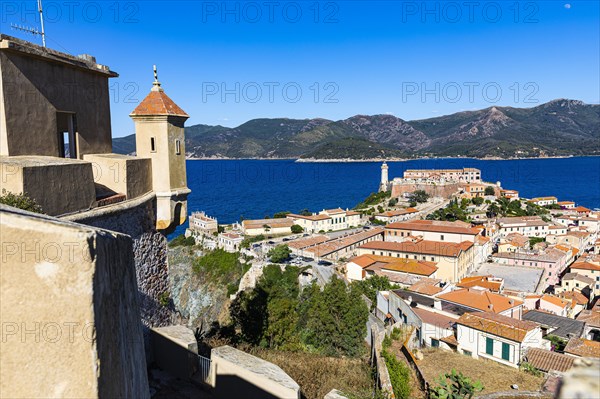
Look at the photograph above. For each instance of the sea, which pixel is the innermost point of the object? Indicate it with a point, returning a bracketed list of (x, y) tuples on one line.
[(252, 189)]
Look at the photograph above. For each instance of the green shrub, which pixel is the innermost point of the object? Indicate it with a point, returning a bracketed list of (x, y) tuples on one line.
[(455, 385), (220, 266), (21, 201), (164, 299), (528, 368), (280, 253), (399, 375), (297, 229), (182, 240)]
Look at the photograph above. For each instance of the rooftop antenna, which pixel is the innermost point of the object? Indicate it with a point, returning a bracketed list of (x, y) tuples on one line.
[(33, 31), (42, 22)]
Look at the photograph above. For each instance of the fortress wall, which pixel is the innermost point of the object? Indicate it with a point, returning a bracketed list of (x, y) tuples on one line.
[(136, 218), (444, 191)]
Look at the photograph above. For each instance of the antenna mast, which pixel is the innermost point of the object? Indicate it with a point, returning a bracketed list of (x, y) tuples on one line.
[(42, 22), (33, 31)]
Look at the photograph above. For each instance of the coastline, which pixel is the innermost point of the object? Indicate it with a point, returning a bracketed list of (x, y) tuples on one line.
[(391, 159)]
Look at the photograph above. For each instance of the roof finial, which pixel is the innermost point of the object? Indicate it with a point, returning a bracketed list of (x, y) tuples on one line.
[(156, 83)]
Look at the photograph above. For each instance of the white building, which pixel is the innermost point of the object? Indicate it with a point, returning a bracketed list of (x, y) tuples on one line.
[(431, 230), (466, 175), (256, 227), (399, 215), (327, 220), (496, 337), (230, 242), (201, 224), (529, 226), (543, 201)]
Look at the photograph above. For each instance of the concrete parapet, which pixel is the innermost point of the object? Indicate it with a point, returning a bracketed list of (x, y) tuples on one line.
[(175, 350), (122, 174), (59, 185), (236, 374), (69, 311)]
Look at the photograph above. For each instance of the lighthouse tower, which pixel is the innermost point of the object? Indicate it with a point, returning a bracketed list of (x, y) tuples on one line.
[(384, 185), (159, 135)]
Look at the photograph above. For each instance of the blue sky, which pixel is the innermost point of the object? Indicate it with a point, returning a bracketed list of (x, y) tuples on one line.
[(228, 62)]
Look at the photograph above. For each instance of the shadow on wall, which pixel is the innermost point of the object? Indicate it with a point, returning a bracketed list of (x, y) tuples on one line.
[(231, 386)]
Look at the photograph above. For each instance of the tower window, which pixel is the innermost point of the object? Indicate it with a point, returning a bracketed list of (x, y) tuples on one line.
[(177, 147), (152, 144)]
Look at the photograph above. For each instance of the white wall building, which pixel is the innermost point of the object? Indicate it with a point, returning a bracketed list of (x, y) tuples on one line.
[(496, 337)]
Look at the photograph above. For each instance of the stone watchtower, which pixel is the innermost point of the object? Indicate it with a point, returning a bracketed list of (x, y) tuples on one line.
[(384, 185), (159, 135)]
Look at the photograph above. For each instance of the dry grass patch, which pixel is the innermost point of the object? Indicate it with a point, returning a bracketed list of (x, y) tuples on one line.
[(494, 376), (317, 375)]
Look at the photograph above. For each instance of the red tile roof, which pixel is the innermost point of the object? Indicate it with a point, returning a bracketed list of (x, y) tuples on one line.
[(435, 226), (480, 299), (481, 281), (422, 247), (545, 360), (499, 325), (434, 319), (583, 347), (158, 103)]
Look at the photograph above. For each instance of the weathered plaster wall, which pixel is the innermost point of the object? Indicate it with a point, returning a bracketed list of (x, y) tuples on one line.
[(136, 219), (68, 310), (35, 89), (58, 185)]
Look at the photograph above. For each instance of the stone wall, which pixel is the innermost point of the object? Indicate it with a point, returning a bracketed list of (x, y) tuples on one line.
[(444, 191), (136, 218)]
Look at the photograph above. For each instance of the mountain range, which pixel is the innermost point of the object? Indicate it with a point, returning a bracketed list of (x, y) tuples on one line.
[(557, 128)]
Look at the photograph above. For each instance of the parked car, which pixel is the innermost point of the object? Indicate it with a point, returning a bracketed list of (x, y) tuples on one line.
[(307, 259), (271, 242), (286, 239), (324, 263), (305, 235)]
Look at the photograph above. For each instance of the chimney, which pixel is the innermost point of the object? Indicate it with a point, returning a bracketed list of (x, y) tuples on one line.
[(437, 304), (491, 306), (410, 299), (511, 301)]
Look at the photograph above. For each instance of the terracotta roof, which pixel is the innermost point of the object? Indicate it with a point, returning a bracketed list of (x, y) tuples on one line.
[(545, 360), (499, 325), (450, 340), (337, 244), (302, 243), (427, 286), (352, 213), (388, 263), (583, 347), (480, 299), (273, 223), (158, 103), (590, 317), (398, 212), (576, 297), (363, 260), (308, 217), (561, 303), (585, 266), (440, 248), (481, 281), (433, 318), (334, 211), (231, 235), (431, 225), (581, 209)]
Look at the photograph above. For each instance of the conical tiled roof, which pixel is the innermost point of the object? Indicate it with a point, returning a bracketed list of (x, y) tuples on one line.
[(158, 103)]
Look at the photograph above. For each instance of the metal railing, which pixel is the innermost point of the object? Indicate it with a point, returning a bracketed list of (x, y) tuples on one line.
[(204, 364)]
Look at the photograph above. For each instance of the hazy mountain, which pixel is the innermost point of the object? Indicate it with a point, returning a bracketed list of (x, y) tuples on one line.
[(560, 127)]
